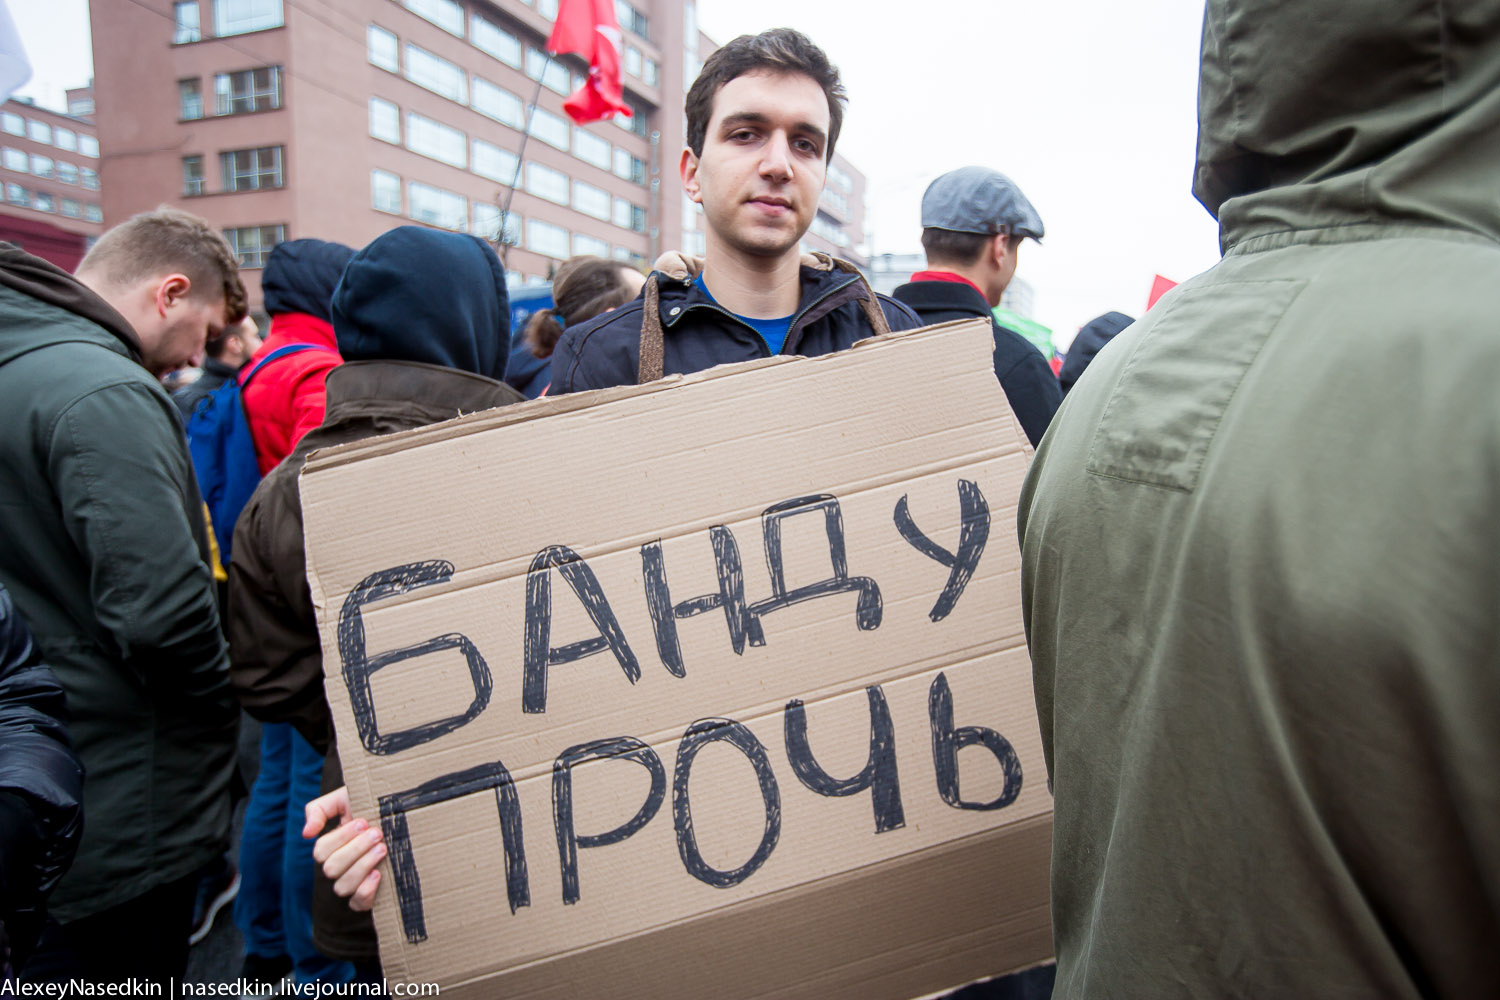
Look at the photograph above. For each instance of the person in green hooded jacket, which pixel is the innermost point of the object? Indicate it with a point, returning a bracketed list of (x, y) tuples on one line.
[(1261, 556), (104, 551)]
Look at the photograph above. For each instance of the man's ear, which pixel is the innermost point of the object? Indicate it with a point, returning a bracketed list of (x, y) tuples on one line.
[(171, 290), (689, 171), (999, 250)]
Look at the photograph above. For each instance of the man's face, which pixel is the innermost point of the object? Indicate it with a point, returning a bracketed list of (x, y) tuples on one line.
[(175, 325), (764, 162)]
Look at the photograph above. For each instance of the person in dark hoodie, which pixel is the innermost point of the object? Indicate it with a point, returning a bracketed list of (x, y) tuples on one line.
[(41, 782), (422, 321), (285, 400), (105, 553), (1090, 341)]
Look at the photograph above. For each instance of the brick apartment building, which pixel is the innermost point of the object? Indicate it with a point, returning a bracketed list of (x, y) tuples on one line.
[(339, 119), (49, 167)]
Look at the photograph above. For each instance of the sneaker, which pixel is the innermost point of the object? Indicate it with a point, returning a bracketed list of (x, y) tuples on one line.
[(263, 975), (218, 883)]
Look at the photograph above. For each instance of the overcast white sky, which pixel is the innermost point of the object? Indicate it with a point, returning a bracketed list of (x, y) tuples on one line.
[(1088, 106)]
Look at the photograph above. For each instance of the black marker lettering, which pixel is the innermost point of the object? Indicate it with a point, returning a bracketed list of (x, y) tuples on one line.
[(698, 735), (730, 597), (568, 842), (879, 773), (359, 667), (947, 742), (868, 610), (393, 810), (539, 653), (974, 531)]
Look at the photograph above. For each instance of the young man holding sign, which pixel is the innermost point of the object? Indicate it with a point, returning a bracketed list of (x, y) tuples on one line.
[(762, 120)]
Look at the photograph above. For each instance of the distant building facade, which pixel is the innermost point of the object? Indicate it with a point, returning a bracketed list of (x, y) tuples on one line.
[(340, 119), (49, 169)]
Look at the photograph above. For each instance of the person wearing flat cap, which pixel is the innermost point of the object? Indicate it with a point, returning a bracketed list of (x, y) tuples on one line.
[(973, 222)]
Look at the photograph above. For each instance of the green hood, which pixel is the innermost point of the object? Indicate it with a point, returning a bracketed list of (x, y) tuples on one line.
[(32, 325), (1334, 113)]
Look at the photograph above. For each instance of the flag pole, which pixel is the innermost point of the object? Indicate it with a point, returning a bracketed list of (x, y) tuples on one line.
[(520, 161)]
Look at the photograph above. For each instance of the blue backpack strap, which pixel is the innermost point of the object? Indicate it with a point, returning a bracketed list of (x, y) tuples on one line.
[(280, 352)]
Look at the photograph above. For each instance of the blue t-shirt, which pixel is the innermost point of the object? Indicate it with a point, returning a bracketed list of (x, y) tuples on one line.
[(772, 331)]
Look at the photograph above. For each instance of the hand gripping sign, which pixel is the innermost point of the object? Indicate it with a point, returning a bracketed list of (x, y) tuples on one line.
[(715, 686)]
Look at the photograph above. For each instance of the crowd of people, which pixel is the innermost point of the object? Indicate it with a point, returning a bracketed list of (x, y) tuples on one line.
[(1259, 571)]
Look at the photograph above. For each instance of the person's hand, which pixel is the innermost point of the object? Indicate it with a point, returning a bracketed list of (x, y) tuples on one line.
[(349, 852)]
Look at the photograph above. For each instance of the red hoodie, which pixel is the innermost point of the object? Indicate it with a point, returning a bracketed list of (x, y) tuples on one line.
[(286, 399)]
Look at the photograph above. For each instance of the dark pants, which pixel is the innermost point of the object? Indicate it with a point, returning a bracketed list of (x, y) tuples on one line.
[(144, 938)]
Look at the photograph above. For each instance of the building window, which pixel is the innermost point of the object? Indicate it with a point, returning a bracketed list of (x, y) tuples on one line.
[(38, 131), (42, 201), (497, 103), (382, 48), (437, 207), (552, 73), (550, 129), (67, 172), (190, 99), (15, 159), (186, 15), (16, 195), (252, 169), (589, 245), (253, 244), (547, 8), (497, 227), (385, 192), (630, 168), (93, 213), (446, 14), (71, 208), (651, 73), (247, 90), (64, 139), (88, 146), (13, 123), (192, 175), (496, 41), (81, 107), (41, 165), (236, 17), (629, 216), (589, 148), (591, 200), (632, 60), (546, 239), (385, 121), (544, 182), (632, 19), (436, 140), (636, 123), (493, 162), (435, 73), (89, 178)]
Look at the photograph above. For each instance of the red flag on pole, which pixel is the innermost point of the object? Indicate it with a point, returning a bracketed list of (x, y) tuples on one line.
[(590, 28)]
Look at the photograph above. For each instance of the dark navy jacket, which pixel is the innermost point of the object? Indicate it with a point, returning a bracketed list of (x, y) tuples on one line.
[(1023, 373), (698, 333)]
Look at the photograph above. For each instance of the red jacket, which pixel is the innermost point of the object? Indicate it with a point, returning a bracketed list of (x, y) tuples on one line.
[(286, 399)]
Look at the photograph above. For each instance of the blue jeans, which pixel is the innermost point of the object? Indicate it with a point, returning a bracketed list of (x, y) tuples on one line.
[(274, 907)]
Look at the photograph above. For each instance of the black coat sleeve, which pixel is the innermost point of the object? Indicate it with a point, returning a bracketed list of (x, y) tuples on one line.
[(1032, 390)]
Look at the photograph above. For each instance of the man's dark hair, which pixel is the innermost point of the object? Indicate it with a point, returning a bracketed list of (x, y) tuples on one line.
[(948, 247), (780, 50)]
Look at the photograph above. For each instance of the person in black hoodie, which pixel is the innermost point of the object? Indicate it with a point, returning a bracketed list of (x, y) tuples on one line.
[(973, 223), (1090, 341), (423, 323)]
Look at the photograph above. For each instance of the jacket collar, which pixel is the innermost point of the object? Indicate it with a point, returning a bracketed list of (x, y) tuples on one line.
[(956, 295), (676, 273), (298, 328), (46, 282), (428, 393)]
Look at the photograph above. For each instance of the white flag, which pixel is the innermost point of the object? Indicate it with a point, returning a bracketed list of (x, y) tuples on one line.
[(15, 69)]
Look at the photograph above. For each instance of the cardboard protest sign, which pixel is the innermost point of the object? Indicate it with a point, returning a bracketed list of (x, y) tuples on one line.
[(711, 687)]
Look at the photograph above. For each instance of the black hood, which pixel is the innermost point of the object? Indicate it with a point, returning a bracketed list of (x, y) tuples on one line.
[(46, 282), (418, 294), (1090, 340), (300, 277)]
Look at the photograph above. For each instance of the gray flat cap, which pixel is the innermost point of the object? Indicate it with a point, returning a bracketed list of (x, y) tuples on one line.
[(979, 200)]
